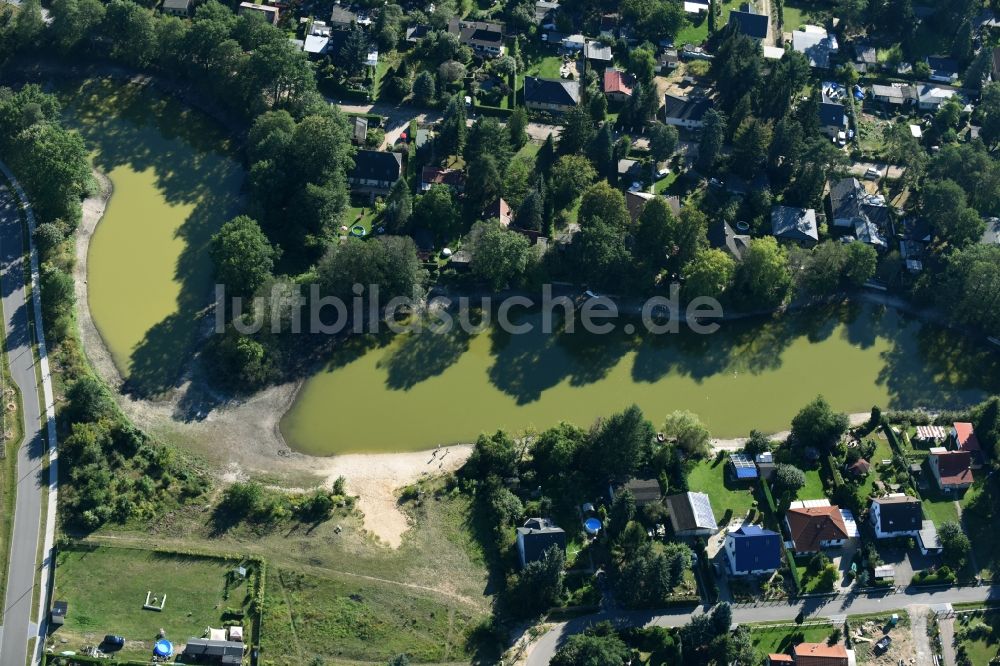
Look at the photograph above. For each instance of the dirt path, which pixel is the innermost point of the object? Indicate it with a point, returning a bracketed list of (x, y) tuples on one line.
[(737, 443), (947, 628), (918, 629)]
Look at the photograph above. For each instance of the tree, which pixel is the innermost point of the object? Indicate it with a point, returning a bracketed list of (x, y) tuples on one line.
[(451, 135), (602, 202), (388, 26), (989, 112), (722, 618), (622, 442), (242, 255), (500, 257), (642, 63), (818, 425), (600, 255), (969, 287), (517, 125), (688, 433), (577, 132), (89, 401), (496, 454), (763, 276), (709, 273), (788, 479), (602, 152), (540, 584), (750, 147), (399, 660), (424, 88), (398, 207), (554, 453), (860, 265), (757, 443), (72, 20), (354, 51), (389, 262), (589, 650), (713, 134), (569, 176), (955, 545), (436, 210), (621, 514), (517, 180), (945, 206), (530, 215), (662, 141), (238, 362), (482, 187)]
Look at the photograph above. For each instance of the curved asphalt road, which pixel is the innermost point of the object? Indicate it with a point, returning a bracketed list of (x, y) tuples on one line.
[(544, 648), (33, 477)]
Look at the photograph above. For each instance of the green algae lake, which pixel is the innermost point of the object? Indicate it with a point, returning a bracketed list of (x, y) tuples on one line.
[(148, 272), (149, 280)]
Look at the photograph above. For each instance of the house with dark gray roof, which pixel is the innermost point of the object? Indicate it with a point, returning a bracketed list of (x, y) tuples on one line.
[(537, 536), (943, 70), (895, 516), (177, 7), (691, 514), (687, 112), (206, 651), (721, 236), (551, 94), (415, 33), (749, 22), (483, 37), (855, 209), (375, 171), (795, 224), (645, 491), (342, 17), (545, 13)]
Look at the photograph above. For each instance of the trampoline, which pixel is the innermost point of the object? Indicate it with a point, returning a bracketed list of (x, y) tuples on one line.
[(358, 230)]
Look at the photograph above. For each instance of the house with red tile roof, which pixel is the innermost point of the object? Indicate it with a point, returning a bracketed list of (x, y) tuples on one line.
[(821, 654), (966, 440), (617, 85), (952, 469), (813, 528), (780, 660), (431, 176)]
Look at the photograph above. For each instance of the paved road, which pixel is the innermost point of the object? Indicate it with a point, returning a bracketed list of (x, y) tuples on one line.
[(542, 651), (32, 480)]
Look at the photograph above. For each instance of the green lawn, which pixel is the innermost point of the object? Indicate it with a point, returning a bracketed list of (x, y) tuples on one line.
[(363, 215), (775, 640), (663, 185), (546, 68), (106, 589), (883, 451), (530, 149), (306, 617), (695, 30), (708, 476), (939, 507), (794, 16), (979, 639)]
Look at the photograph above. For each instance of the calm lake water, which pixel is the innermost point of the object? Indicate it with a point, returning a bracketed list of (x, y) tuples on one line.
[(149, 274), (419, 390)]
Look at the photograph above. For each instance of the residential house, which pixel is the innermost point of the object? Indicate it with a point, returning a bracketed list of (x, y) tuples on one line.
[(780, 660), (415, 33), (773, 52), (341, 17), (930, 98), (943, 70), (545, 13), (551, 94), (536, 537), (636, 201), (897, 515), (965, 439), (695, 6), (832, 116), (748, 21), (815, 44), (667, 61), (752, 551), (691, 514), (865, 56), (609, 27), (952, 469), (360, 130), (816, 525), (209, 651), (721, 236), (822, 654), (483, 37), (431, 176), (501, 210), (995, 70), (797, 225), (629, 168), (645, 491), (896, 94), (177, 7), (686, 112), (991, 236), (597, 52), (573, 43), (617, 85), (271, 14), (859, 468), (866, 214), (375, 171)]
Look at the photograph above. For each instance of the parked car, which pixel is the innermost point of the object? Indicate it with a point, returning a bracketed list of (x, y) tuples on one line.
[(883, 644)]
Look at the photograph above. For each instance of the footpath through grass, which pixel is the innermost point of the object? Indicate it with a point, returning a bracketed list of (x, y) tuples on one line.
[(106, 587)]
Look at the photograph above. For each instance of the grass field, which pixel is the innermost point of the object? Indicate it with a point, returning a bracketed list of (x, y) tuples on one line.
[(695, 30), (980, 638), (106, 589), (546, 68), (342, 618), (939, 507), (775, 640), (708, 476)]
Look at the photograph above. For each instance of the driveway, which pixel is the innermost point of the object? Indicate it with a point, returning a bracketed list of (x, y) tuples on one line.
[(32, 478), (906, 561)]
